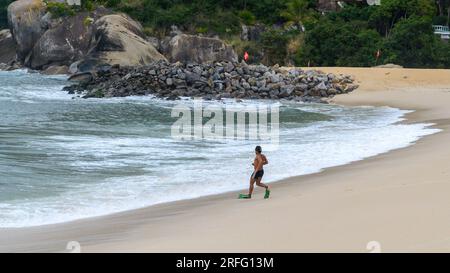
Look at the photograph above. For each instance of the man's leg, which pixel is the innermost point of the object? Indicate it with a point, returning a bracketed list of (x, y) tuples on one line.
[(252, 186), (259, 184), (267, 194)]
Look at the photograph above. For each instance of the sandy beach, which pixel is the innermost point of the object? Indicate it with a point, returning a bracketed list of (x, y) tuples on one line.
[(399, 199)]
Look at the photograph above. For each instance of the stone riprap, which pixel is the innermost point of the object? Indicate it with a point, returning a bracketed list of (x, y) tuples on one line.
[(211, 81)]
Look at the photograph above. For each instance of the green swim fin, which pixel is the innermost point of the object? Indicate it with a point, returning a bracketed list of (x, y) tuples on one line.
[(244, 196), (267, 195)]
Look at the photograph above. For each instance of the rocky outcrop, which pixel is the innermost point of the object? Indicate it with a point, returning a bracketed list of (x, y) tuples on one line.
[(212, 81), (85, 41), (67, 40), (95, 40), (7, 47), (118, 40), (189, 48), (24, 18)]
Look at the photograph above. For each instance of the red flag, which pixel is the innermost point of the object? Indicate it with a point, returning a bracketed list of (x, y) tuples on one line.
[(246, 56)]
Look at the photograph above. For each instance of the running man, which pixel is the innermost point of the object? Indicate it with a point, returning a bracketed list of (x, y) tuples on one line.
[(258, 173)]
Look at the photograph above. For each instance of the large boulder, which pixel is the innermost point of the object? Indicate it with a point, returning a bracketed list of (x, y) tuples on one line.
[(189, 48), (7, 47), (119, 40), (88, 39), (66, 41), (24, 18)]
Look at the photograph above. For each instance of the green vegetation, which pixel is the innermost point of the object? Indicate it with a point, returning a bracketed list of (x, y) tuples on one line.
[(219, 17), (55, 8), (299, 12), (295, 31), (338, 43), (399, 29), (413, 44), (60, 9), (247, 17), (3, 13), (88, 21)]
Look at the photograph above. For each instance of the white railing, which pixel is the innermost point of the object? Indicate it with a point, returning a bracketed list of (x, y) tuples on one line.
[(441, 29)]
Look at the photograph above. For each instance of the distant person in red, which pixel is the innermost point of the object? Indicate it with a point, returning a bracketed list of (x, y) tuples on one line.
[(246, 56)]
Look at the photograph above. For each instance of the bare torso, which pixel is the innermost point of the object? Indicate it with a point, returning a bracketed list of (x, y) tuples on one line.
[(259, 162)]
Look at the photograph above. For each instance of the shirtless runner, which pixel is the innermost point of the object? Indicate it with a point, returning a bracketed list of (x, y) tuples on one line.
[(258, 173)]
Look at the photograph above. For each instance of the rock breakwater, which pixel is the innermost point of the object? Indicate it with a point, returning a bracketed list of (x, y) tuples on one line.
[(211, 81)]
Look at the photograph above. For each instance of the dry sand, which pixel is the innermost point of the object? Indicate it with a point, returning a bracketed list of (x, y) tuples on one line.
[(399, 199)]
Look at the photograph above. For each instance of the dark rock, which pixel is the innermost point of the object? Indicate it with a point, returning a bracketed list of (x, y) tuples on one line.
[(286, 91), (65, 43), (321, 86), (7, 47), (84, 77), (24, 19), (120, 40), (43, 41), (230, 67), (189, 48), (172, 81)]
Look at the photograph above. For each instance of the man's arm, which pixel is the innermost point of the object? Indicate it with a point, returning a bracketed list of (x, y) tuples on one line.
[(265, 161)]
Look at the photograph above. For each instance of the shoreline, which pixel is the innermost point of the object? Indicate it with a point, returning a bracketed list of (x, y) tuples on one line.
[(234, 193), (157, 228)]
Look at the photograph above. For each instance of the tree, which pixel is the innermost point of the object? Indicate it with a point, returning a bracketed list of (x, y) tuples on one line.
[(444, 10), (386, 15), (412, 43), (267, 11), (296, 12), (339, 43), (274, 46)]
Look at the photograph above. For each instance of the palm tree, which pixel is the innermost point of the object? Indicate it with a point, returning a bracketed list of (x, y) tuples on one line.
[(442, 6)]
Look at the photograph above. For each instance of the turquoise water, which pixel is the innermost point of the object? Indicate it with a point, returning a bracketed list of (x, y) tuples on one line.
[(65, 158)]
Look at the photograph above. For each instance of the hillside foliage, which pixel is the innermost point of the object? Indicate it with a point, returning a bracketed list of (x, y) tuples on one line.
[(397, 31)]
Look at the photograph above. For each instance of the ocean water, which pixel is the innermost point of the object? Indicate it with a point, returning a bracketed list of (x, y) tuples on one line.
[(65, 158)]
